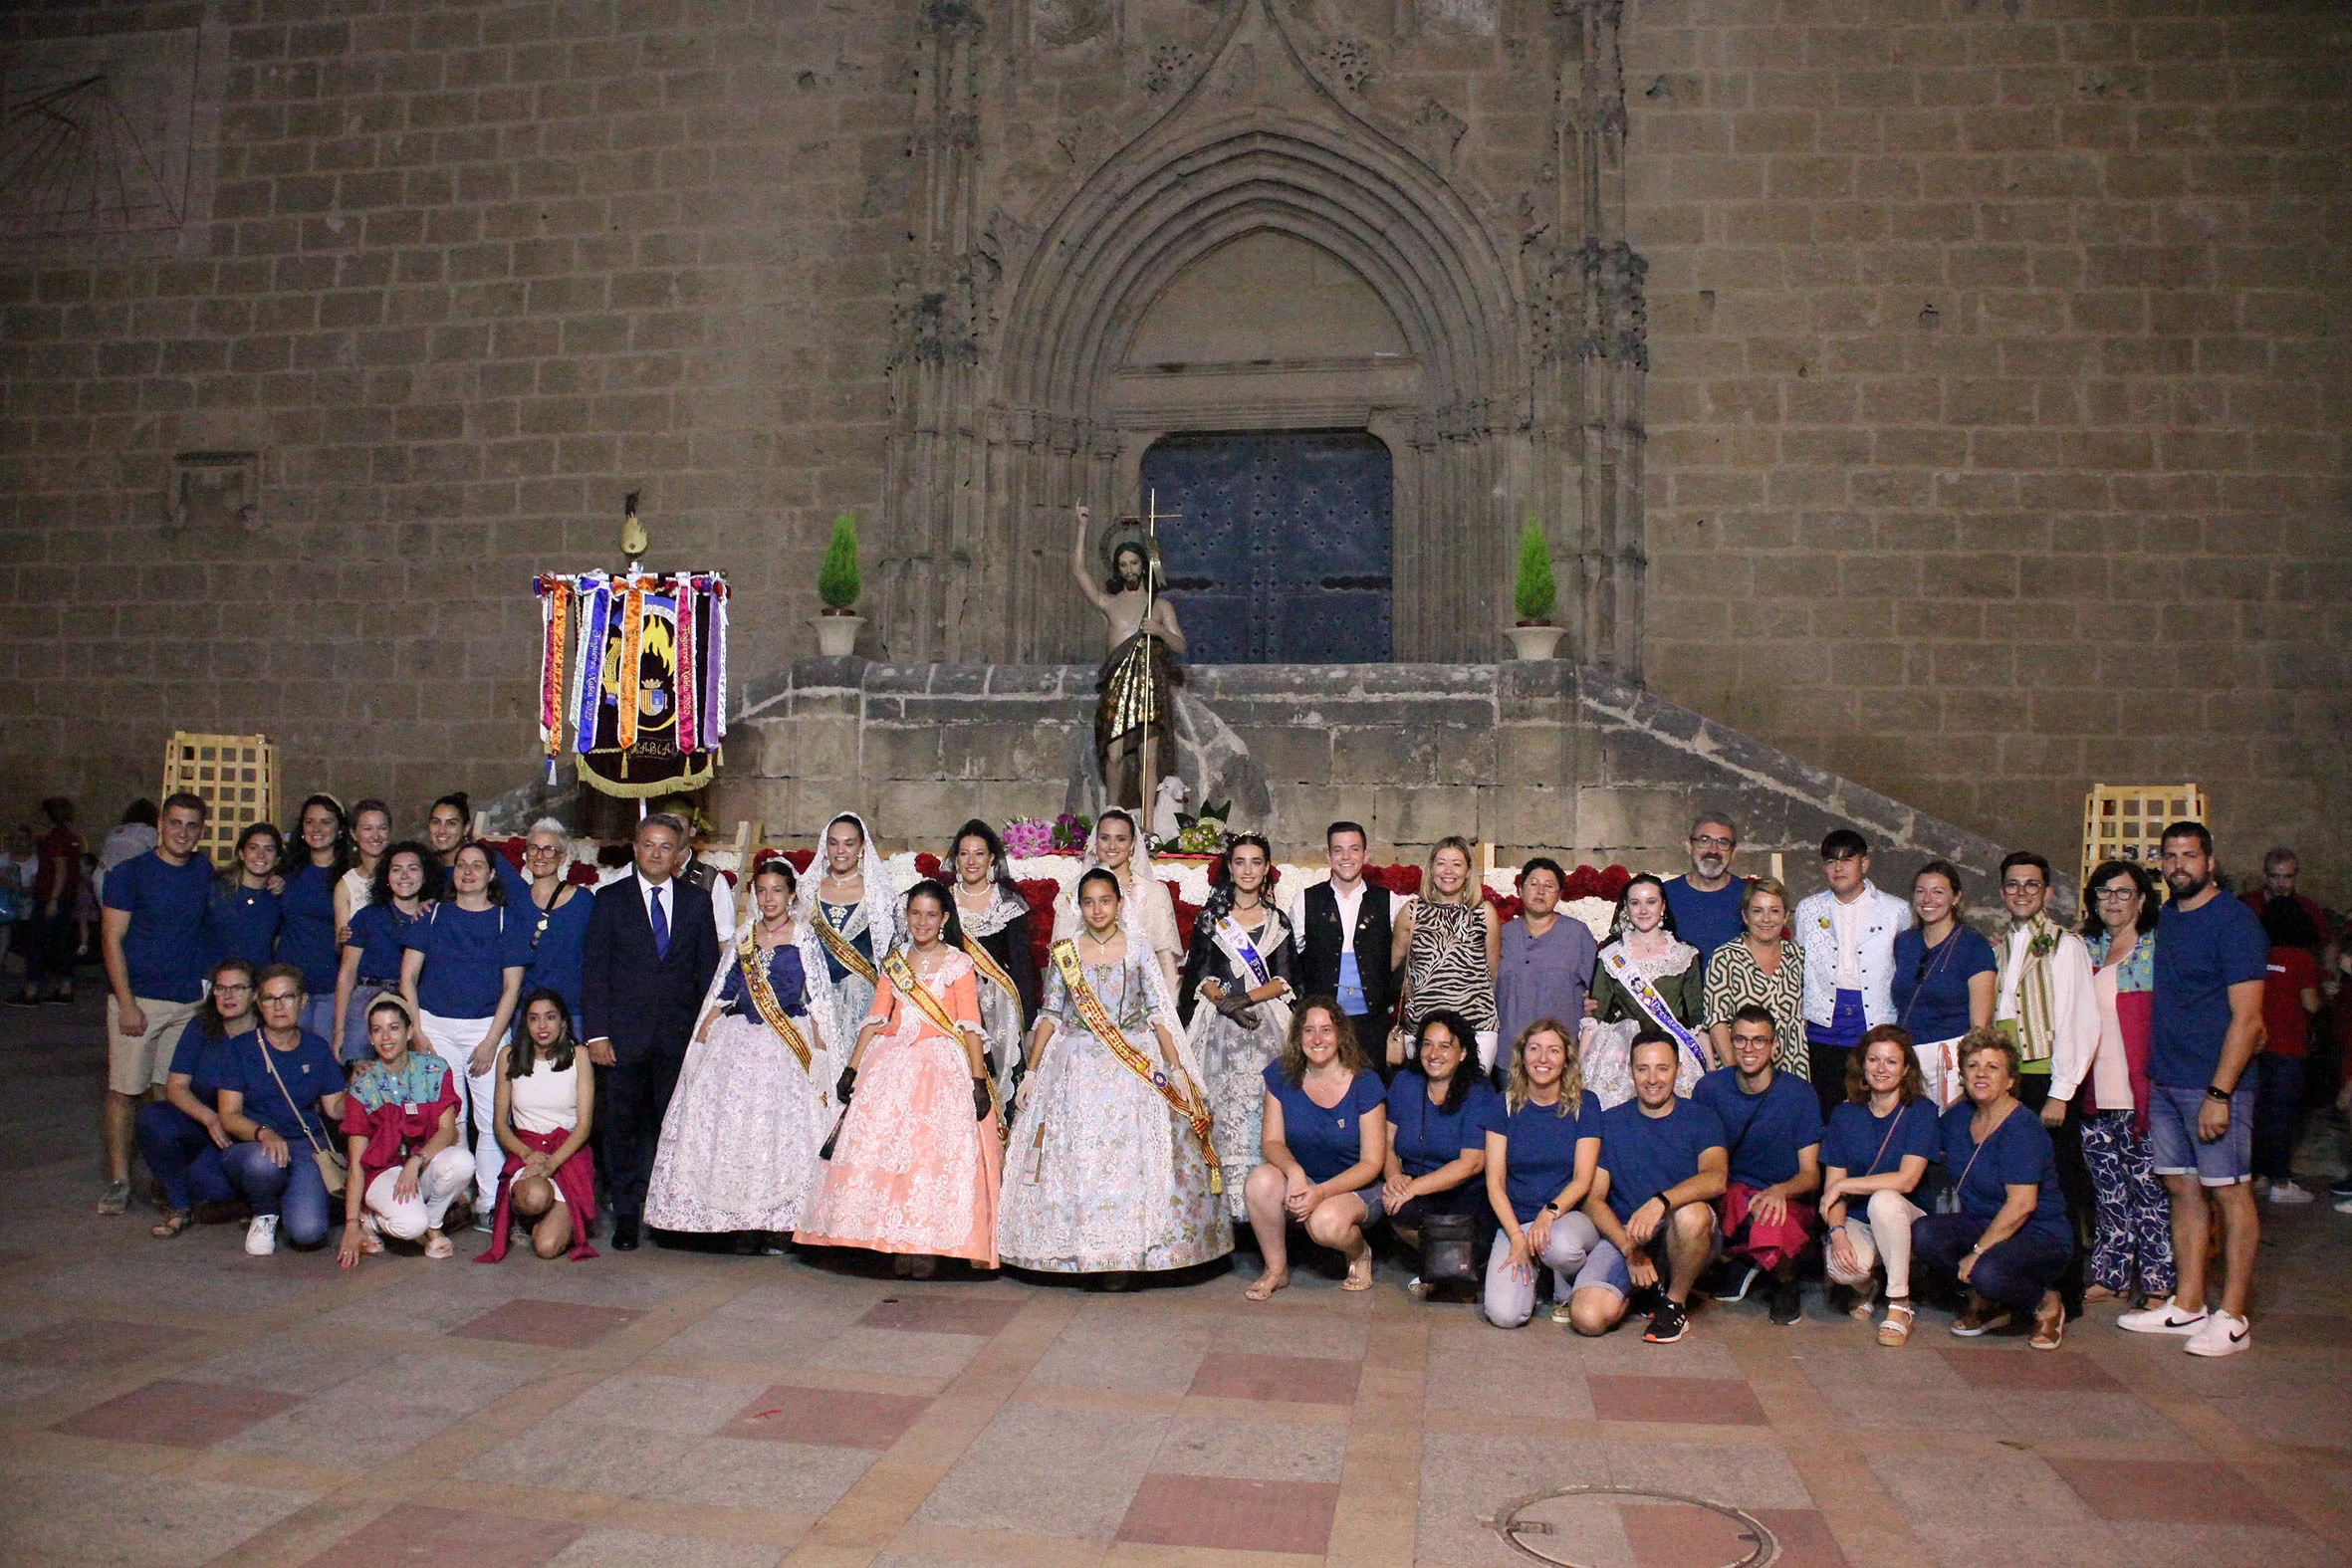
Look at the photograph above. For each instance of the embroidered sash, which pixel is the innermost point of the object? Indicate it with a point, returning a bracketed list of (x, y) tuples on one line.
[(1620, 966), (902, 976), (986, 961), (843, 951), (1244, 953), (1098, 1020), (763, 995)]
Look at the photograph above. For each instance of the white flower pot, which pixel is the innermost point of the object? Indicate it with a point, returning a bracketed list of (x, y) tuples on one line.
[(836, 635), (1534, 642)]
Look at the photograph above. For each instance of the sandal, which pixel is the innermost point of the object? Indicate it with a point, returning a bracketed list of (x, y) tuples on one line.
[(1356, 1281), (1896, 1330), (2100, 1293), (438, 1245), (2050, 1324), (1860, 1310), (175, 1221), (371, 1241), (1266, 1285)]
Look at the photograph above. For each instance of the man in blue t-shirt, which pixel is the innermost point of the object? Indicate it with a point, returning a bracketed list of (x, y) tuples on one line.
[(1662, 1166), (153, 936), (1773, 1124), (1705, 900), (2211, 953)]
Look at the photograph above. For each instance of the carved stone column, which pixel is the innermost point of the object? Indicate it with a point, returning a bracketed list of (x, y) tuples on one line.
[(939, 575), (1591, 349)]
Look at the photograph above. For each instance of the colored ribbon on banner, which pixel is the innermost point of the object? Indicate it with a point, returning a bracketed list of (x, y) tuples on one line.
[(683, 593), (595, 627), (633, 653)]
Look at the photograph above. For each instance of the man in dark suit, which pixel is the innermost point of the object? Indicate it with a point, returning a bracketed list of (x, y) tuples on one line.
[(652, 949)]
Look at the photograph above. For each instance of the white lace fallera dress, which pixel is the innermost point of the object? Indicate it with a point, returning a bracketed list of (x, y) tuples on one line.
[(1102, 1174), (739, 1144)]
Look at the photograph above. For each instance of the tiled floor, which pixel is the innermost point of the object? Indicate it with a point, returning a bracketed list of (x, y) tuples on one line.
[(180, 1402)]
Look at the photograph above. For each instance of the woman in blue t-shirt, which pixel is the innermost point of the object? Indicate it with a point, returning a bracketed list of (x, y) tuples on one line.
[(281, 1091), (461, 977), (2010, 1241), (559, 915), (1325, 1139), (372, 950), (305, 924), (1873, 1155), (180, 1135), (1438, 1119), (1540, 1164), (243, 921), (1945, 976)]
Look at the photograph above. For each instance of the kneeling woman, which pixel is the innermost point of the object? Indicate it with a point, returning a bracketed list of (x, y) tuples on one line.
[(2010, 1241), (754, 1096), (407, 1164), (1873, 1156), (916, 1159), (1326, 1141), (283, 1089), (1113, 1171), (1540, 1165), (546, 1107), (1439, 1115)]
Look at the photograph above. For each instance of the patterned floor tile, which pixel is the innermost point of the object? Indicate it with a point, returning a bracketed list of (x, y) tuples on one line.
[(1224, 1514), (2168, 1492), (829, 1418), (180, 1415), (415, 1534), (1717, 1402), (2023, 1369), (1299, 1380), (942, 1314), (561, 1325)]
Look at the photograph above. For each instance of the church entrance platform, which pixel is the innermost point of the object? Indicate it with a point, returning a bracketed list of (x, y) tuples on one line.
[(1528, 755)]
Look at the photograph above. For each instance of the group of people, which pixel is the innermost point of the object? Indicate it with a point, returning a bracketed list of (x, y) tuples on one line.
[(1722, 1094)]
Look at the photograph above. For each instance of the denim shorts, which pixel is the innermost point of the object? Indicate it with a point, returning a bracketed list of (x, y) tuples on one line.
[(1605, 1267), (2171, 1135)]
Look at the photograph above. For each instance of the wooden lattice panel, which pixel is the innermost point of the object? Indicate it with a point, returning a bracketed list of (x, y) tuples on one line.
[(2127, 822), (235, 774)]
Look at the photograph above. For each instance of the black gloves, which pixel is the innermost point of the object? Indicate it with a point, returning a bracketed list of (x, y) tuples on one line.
[(847, 1083), (981, 1105)]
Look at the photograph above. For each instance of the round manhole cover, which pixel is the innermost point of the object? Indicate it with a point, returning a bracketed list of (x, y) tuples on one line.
[(1632, 1528)]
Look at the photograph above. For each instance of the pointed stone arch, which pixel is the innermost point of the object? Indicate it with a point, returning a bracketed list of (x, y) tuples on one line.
[(1011, 403)]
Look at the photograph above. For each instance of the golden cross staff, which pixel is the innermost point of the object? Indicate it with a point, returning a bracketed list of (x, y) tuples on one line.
[(1151, 569)]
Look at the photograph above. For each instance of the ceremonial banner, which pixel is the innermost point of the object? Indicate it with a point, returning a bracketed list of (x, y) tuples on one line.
[(646, 692)]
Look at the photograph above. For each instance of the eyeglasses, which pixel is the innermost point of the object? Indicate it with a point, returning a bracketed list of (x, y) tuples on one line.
[(232, 991), (1710, 841), (290, 995), (2116, 895), (2034, 886)]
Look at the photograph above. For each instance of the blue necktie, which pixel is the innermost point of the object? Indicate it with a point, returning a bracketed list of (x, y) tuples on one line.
[(661, 927)]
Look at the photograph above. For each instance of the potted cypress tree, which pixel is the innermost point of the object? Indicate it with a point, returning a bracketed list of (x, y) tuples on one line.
[(1531, 594), (838, 583)]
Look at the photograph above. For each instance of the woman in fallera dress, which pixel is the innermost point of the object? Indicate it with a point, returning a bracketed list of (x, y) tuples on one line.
[(1111, 1169), (1646, 974), (846, 899), (916, 1159), (754, 1100), (995, 921), (1236, 1002)]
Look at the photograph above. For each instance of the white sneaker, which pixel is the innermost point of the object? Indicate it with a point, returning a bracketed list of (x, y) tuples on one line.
[(2289, 1193), (261, 1236), (2162, 1319), (2222, 1335)]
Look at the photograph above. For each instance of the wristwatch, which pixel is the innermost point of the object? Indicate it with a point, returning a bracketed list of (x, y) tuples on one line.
[(1551, 1209), (2214, 1092)]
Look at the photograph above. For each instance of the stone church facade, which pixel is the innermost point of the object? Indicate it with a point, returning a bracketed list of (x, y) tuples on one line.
[(1950, 393)]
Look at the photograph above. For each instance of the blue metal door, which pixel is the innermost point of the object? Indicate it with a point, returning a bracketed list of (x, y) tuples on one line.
[(1278, 551)]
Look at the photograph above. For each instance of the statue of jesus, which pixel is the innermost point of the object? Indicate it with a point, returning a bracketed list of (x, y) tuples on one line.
[(1136, 684)]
